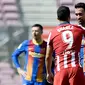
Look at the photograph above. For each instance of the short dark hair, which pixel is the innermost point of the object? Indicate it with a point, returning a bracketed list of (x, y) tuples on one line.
[(38, 25), (63, 13), (80, 5)]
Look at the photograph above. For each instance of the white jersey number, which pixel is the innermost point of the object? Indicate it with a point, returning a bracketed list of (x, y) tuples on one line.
[(67, 37)]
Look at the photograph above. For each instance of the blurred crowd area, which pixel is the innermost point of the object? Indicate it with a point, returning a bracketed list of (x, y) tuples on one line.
[(16, 19)]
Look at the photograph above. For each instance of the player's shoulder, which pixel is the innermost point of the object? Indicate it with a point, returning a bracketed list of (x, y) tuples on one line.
[(25, 42), (45, 42), (76, 26)]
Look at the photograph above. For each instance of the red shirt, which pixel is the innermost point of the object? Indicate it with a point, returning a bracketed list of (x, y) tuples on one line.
[(66, 42)]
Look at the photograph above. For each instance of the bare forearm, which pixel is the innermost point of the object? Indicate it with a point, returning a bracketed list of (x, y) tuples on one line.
[(48, 59), (48, 64)]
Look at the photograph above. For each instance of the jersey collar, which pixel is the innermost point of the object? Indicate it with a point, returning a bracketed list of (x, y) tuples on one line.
[(64, 22), (37, 43)]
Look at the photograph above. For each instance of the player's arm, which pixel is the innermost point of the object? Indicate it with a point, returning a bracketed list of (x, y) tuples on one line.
[(48, 61), (49, 64), (15, 55)]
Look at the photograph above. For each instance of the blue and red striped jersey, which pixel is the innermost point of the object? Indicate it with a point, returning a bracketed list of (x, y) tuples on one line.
[(34, 59)]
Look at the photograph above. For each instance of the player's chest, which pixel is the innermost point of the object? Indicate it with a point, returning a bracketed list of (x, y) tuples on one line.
[(36, 51)]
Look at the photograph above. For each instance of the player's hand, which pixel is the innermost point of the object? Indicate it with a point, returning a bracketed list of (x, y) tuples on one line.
[(21, 72), (50, 78)]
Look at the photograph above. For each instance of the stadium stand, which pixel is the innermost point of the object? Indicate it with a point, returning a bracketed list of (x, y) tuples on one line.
[(66, 2), (10, 12), (38, 11), (7, 75), (10, 22), (76, 1)]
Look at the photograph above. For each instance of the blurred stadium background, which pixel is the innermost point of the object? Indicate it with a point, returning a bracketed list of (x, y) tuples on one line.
[(16, 19)]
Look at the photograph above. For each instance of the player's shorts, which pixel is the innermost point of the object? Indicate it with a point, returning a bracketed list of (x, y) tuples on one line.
[(70, 76), (26, 82)]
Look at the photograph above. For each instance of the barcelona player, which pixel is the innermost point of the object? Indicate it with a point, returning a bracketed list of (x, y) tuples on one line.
[(35, 50), (65, 40), (80, 16)]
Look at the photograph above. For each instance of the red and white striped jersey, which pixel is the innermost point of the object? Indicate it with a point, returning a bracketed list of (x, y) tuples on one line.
[(66, 42)]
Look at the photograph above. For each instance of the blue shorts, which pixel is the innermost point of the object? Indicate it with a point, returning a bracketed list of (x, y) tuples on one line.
[(26, 82)]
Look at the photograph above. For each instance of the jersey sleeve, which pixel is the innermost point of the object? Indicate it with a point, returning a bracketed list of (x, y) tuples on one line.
[(49, 41), (17, 52)]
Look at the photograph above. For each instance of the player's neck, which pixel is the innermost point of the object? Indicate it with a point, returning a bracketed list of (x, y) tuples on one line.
[(37, 41), (64, 22)]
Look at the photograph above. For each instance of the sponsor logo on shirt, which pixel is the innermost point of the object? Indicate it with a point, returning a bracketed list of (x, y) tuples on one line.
[(38, 55)]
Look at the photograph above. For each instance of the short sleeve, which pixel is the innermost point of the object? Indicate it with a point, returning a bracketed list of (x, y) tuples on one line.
[(22, 46), (49, 40)]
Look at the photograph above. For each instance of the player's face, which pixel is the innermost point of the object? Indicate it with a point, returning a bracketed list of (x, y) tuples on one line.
[(80, 15), (36, 32)]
